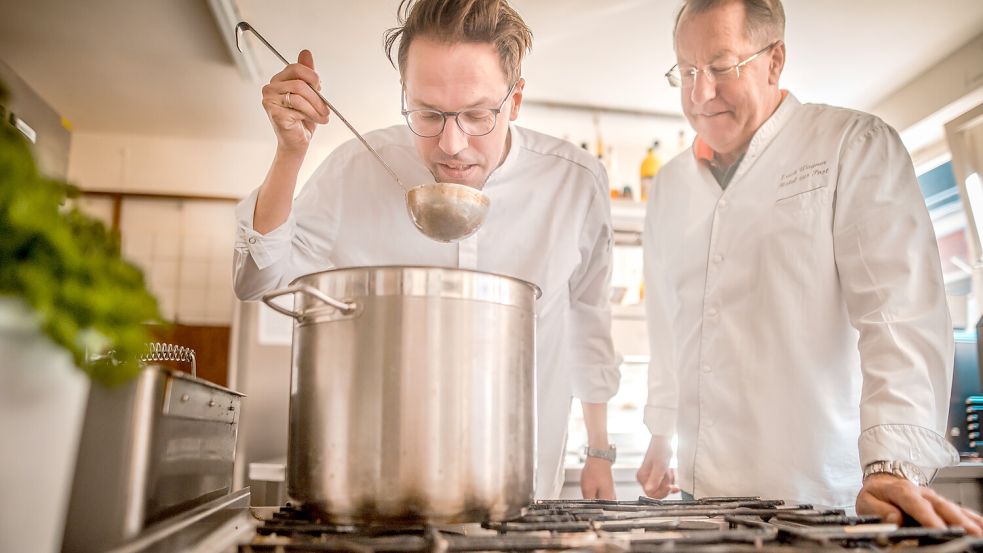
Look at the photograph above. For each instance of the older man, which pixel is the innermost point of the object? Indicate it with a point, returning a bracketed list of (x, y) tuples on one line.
[(549, 221), (794, 292)]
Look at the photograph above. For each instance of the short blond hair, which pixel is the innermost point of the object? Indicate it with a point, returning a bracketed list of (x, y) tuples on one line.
[(764, 20), (450, 21)]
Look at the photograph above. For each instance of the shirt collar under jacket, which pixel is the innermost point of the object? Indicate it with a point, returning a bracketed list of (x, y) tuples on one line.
[(705, 154)]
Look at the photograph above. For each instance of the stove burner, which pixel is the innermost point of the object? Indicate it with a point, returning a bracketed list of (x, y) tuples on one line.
[(710, 524)]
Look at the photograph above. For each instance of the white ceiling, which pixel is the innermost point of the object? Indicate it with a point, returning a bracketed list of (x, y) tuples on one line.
[(160, 67)]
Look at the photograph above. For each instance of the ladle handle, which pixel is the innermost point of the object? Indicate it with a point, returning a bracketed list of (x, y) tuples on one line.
[(244, 26)]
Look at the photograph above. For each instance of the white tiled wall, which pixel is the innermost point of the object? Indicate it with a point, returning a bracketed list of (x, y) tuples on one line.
[(185, 250)]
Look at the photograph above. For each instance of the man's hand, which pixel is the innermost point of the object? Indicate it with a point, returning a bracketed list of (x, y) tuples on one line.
[(655, 476), (596, 481), (889, 496), (292, 105)]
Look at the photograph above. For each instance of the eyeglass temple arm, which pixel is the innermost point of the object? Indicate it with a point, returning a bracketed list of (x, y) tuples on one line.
[(243, 26)]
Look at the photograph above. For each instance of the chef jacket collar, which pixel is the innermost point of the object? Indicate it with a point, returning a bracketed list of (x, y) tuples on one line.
[(502, 173)]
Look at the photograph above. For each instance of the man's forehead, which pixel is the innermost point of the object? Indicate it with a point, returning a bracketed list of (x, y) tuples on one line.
[(710, 43), (707, 55), (452, 96), (716, 32)]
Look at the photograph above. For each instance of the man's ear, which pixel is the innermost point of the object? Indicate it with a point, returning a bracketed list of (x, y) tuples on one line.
[(777, 63), (517, 98)]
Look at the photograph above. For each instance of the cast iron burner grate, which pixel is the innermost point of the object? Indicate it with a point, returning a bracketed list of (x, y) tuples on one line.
[(733, 524)]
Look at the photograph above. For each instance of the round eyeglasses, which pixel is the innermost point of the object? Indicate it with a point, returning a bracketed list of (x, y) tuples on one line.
[(428, 123), (686, 78)]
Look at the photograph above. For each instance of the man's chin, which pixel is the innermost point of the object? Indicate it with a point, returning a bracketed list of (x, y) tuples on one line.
[(718, 141)]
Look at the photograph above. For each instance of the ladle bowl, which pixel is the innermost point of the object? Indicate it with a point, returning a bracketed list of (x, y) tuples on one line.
[(446, 211)]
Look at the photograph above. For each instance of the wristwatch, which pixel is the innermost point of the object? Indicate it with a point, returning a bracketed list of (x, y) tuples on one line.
[(608, 454), (902, 469)]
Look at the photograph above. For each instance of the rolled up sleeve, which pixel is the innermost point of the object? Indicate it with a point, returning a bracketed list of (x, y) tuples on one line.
[(265, 249), (301, 245), (888, 263), (595, 364)]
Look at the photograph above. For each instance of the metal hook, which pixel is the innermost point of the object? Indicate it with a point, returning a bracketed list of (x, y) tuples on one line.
[(242, 27)]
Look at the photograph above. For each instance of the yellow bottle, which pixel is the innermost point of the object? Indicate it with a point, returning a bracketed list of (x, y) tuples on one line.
[(650, 166)]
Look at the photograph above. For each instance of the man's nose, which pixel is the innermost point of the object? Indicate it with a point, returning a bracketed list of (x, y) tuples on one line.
[(704, 88), (452, 139)]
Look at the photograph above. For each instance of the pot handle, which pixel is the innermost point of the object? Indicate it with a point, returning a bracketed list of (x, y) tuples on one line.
[(345, 308)]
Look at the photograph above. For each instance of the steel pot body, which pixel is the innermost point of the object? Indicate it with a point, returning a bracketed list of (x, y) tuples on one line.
[(412, 395)]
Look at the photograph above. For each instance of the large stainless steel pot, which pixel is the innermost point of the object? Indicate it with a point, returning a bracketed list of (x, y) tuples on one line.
[(412, 394)]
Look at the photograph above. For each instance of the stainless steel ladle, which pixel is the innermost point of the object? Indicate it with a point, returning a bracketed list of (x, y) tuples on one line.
[(443, 211)]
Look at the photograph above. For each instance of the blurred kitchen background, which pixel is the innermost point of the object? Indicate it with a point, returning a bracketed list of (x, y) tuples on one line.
[(147, 107)]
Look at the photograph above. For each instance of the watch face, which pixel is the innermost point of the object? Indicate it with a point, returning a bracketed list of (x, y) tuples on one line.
[(912, 474)]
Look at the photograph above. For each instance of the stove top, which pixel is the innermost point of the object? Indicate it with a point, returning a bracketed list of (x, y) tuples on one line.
[(709, 524)]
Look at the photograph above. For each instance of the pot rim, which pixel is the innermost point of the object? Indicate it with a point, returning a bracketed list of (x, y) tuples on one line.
[(536, 289)]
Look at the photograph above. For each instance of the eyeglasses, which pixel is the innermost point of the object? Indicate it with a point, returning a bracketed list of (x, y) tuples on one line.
[(428, 123), (686, 78)]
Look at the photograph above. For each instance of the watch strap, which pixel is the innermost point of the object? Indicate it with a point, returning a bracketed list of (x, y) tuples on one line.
[(609, 454), (901, 469)]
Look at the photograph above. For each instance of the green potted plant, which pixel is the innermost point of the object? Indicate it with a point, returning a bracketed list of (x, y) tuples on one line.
[(66, 298)]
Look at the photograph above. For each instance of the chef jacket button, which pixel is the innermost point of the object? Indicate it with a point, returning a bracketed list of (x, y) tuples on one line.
[(706, 368), (718, 258), (711, 312), (252, 239), (722, 204)]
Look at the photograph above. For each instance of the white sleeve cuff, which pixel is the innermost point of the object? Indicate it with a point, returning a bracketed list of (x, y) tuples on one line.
[(660, 421), (265, 249), (904, 442), (596, 383)]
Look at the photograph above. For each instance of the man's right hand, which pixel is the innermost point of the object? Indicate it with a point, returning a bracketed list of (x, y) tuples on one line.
[(295, 111), (655, 476), (293, 107)]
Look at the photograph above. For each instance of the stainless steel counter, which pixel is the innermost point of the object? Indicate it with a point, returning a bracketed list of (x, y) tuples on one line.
[(962, 484)]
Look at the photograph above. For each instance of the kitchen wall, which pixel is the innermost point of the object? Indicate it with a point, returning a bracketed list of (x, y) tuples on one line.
[(946, 90), (169, 165)]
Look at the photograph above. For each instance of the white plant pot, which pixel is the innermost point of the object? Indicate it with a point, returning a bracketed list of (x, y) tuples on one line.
[(42, 404)]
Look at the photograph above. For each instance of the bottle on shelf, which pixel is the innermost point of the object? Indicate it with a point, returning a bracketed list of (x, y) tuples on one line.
[(614, 173), (650, 166), (598, 139)]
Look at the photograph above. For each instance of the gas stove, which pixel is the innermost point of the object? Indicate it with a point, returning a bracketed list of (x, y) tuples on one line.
[(708, 524)]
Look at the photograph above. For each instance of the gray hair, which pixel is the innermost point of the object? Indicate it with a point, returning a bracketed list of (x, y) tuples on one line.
[(764, 19)]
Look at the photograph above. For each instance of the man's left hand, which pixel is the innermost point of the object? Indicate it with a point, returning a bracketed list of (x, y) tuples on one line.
[(596, 480), (888, 496)]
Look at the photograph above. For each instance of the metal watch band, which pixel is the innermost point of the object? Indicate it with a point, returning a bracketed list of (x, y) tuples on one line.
[(901, 469), (608, 454)]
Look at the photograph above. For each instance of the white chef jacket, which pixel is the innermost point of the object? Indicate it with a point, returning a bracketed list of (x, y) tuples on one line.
[(797, 314), (549, 224)]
